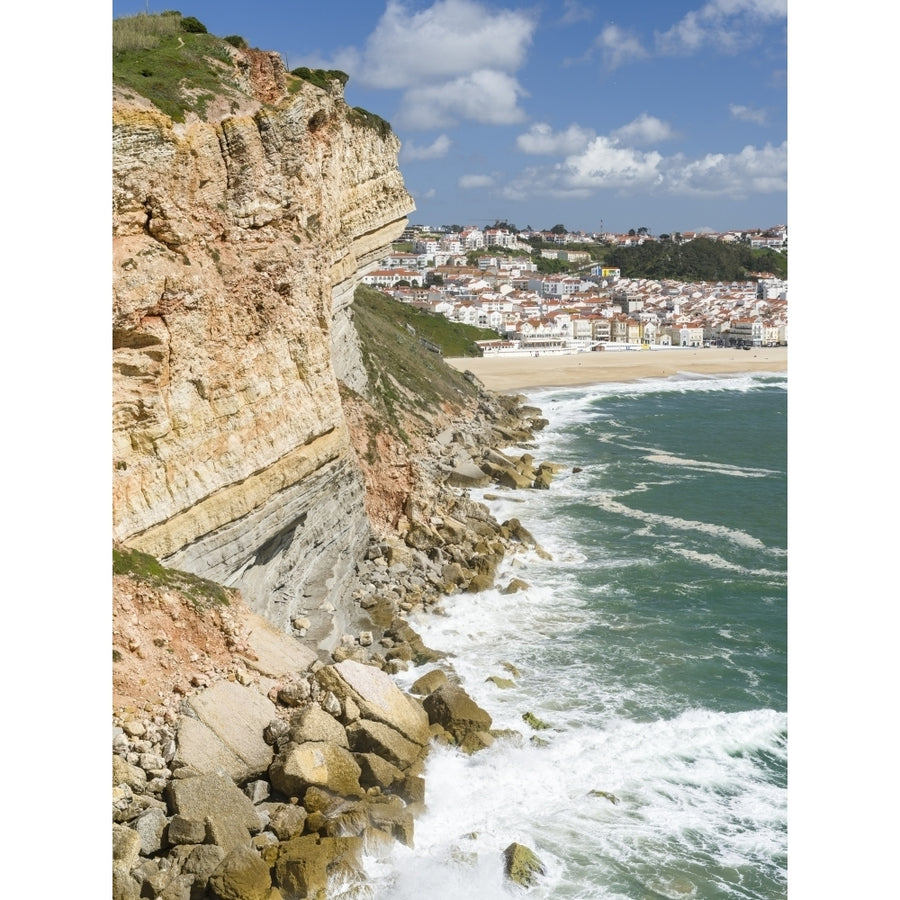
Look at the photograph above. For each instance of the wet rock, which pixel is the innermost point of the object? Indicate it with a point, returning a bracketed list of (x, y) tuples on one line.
[(304, 865), (521, 865), (429, 682), (456, 712)]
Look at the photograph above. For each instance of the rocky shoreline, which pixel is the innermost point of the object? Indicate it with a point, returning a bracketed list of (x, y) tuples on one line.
[(268, 781)]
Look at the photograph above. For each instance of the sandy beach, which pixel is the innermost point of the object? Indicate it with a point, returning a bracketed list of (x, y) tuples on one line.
[(520, 373)]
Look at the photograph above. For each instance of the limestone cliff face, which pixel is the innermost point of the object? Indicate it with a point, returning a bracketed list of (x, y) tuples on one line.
[(237, 245)]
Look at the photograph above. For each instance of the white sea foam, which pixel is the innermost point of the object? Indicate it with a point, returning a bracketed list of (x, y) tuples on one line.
[(609, 503), (656, 799), (714, 561), (699, 465)]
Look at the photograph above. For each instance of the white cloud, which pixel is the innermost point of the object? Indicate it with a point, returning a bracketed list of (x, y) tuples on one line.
[(445, 40), (540, 139), (644, 130), (748, 114), (605, 164), (573, 11), (752, 171), (485, 96), (467, 182), (619, 46), (435, 150), (725, 25)]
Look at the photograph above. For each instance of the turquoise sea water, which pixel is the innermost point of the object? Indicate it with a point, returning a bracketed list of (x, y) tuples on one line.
[(654, 644)]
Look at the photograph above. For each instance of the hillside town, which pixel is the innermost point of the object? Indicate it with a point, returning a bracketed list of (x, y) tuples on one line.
[(590, 307)]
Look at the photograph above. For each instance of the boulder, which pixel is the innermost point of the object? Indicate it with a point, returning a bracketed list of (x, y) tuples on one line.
[(515, 585), (513, 479), (429, 682), (467, 474), (318, 764), (125, 773), (202, 861), (377, 697), (287, 820), (126, 845), (272, 652), (242, 875), (201, 749), (183, 830), (366, 736), (390, 814), (377, 772), (314, 724), (150, 827), (238, 716), (217, 801), (455, 711), (521, 865), (304, 864), (124, 886)]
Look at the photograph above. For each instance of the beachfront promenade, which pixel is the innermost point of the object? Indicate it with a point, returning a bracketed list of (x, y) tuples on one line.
[(499, 372)]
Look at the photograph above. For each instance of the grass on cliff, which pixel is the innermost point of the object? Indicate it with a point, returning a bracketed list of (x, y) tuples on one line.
[(403, 350), (143, 567), (178, 70), (174, 63)]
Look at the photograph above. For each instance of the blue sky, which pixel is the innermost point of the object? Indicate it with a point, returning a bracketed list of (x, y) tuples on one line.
[(667, 115)]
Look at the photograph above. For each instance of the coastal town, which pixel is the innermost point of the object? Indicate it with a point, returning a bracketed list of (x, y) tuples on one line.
[(489, 279)]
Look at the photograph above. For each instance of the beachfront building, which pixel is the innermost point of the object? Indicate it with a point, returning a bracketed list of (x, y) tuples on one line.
[(685, 334), (747, 331)]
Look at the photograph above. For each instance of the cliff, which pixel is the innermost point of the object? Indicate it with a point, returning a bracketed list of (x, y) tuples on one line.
[(238, 240)]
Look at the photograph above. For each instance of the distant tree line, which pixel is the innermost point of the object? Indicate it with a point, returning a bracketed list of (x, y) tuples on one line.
[(698, 260)]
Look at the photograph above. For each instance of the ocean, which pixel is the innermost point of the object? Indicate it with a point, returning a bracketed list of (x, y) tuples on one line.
[(654, 646)]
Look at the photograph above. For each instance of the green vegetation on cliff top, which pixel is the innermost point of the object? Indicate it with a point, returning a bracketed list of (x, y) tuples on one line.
[(403, 349), (172, 61), (146, 568), (178, 70)]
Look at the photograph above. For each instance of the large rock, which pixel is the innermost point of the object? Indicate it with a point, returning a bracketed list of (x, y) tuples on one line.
[(151, 827), (375, 737), (377, 771), (216, 800), (242, 875), (455, 711), (377, 697), (304, 864), (274, 653), (429, 682), (521, 865), (468, 474), (201, 749), (512, 479), (126, 845), (314, 724), (316, 764), (237, 716)]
